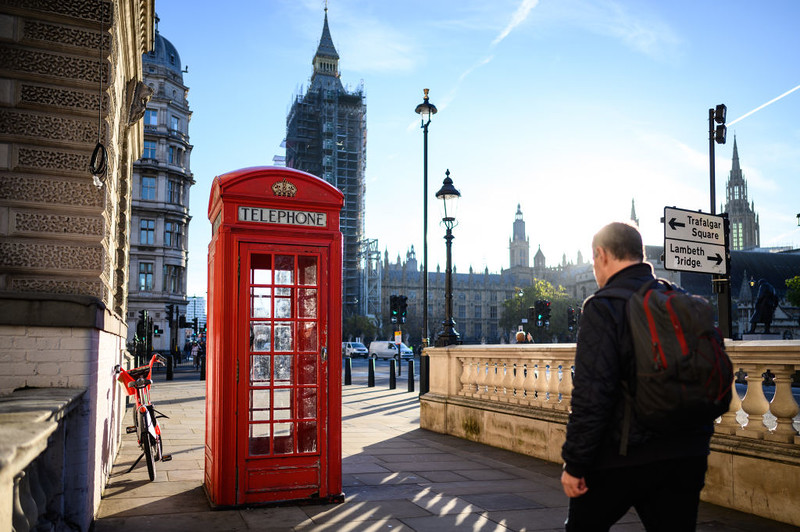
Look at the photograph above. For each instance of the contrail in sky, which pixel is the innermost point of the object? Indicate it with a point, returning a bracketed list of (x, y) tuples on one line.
[(760, 107), (517, 18)]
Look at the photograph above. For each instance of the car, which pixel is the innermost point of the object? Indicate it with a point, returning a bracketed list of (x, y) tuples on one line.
[(354, 349), (387, 350)]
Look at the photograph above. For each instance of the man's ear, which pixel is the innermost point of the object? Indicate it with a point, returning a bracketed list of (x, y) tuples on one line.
[(600, 255)]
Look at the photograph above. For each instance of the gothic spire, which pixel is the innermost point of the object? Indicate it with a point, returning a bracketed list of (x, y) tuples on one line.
[(634, 219), (326, 61), (736, 168), (326, 48)]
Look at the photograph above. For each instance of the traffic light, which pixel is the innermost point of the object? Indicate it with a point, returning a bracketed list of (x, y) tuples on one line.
[(182, 321), (402, 307), (719, 117), (170, 312), (571, 318), (394, 308), (195, 326), (539, 312), (546, 313), (157, 330)]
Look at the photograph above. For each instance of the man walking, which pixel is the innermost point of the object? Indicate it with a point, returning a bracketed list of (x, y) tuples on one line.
[(659, 475)]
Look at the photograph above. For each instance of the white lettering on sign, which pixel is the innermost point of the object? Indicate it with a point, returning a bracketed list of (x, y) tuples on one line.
[(283, 216)]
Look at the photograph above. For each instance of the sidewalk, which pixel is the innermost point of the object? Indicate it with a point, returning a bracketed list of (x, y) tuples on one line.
[(396, 476)]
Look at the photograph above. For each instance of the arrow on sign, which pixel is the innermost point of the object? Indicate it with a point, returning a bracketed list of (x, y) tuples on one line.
[(717, 259), (673, 224)]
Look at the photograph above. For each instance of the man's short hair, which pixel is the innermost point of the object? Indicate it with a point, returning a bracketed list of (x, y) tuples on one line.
[(622, 240)]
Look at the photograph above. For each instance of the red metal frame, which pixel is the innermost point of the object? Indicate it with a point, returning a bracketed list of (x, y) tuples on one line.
[(233, 478)]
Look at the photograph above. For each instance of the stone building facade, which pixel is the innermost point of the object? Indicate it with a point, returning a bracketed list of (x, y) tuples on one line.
[(70, 80), (161, 183)]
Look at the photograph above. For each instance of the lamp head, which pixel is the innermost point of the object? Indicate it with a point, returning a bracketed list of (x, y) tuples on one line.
[(449, 196), (425, 110)]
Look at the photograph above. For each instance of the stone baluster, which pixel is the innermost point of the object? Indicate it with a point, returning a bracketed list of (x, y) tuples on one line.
[(541, 381), (18, 519), (783, 406), (754, 403), (728, 424), (482, 377), (508, 382), (565, 386), (550, 385), (37, 490), (519, 382), (467, 386), (530, 382), (494, 379)]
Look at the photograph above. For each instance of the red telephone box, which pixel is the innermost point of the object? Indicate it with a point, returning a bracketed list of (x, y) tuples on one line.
[(273, 371)]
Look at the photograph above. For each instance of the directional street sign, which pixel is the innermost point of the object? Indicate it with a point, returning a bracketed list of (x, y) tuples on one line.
[(694, 242)]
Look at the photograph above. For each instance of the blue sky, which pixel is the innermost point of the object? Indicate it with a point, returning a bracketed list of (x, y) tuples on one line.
[(570, 108)]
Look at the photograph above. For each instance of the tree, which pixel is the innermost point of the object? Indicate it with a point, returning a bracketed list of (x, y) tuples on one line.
[(793, 294), (359, 327), (516, 308)]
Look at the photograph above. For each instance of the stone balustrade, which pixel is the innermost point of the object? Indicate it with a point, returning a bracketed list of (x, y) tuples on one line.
[(518, 397), (35, 462)]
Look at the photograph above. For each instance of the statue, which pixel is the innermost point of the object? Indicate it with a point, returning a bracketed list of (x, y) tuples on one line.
[(766, 303)]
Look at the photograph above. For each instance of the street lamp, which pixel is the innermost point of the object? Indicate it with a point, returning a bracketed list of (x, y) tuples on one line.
[(425, 110), (449, 196)]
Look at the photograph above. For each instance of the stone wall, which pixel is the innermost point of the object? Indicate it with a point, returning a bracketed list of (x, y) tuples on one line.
[(70, 78)]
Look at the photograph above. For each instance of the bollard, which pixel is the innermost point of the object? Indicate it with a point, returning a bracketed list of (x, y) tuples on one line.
[(392, 377), (170, 376), (348, 371), (371, 376), (399, 365), (411, 375), (424, 374), (203, 368)]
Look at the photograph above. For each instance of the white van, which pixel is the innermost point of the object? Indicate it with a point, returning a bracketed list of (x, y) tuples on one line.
[(388, 350), (354, 349)]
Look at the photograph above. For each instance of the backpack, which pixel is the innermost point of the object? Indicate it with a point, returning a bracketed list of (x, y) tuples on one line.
[(683, 376)]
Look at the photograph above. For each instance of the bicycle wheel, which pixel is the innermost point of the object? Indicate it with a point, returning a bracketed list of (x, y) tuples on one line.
[(149, 448)]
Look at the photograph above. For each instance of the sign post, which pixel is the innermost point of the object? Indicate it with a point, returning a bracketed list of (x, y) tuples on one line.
[(698, 242)]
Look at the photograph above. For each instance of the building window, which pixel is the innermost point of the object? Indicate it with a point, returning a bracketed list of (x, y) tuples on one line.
[(147, 232), (145, 276), (493, 312), (462, 311), (478, 311), (175, 192), (173, 235), (151, 117), (478, 330), (173, 278), (149, 149), (148, 188), (738, 237), (171, 155), (175, 123)]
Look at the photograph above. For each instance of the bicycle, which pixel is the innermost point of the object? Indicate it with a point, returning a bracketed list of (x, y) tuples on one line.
[(137, 383)]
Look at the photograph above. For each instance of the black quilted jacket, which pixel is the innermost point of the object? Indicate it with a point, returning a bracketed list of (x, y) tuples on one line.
[(603, 366)]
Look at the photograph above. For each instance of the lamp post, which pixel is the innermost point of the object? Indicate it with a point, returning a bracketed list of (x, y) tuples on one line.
[(449, 196), (425, 110)]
